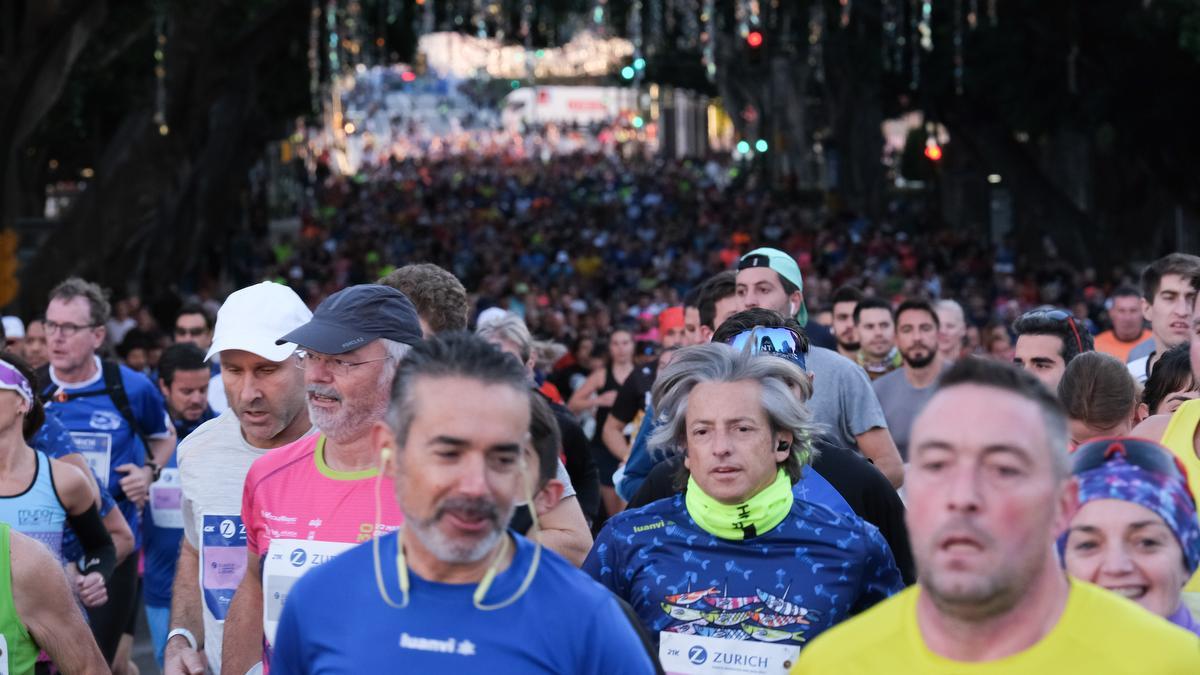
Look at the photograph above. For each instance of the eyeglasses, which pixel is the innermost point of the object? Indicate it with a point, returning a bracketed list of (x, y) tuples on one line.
[(1057, 315), (66, 329), (196, 331), (773, 340), (335, 365), (1139, 452)]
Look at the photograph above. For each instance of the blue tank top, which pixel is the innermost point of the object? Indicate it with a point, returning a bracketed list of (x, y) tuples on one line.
[(37, 512)]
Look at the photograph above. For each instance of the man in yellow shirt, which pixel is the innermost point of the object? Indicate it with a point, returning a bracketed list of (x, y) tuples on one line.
[(988, 492)]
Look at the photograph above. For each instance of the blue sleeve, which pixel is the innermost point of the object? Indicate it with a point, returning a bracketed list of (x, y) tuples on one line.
[(147, 403), (641, 460), (601, 563), (881, 578), (286, 657), (612, 644)]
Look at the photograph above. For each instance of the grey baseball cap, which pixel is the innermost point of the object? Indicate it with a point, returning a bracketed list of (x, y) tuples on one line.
[(356, 316)]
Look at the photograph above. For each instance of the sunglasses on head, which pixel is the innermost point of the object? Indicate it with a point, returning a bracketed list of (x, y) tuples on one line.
[(776, 341), (1058, 315), (1141, 453)]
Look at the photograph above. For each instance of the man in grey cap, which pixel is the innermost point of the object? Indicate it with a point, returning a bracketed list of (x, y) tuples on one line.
[(845, 405), (265, 391), (308, 501)]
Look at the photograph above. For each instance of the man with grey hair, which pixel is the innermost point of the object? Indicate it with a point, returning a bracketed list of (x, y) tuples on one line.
[(952, 329), (989, 491), (117, 419), (737, 558), (454, 591), (308, 501)]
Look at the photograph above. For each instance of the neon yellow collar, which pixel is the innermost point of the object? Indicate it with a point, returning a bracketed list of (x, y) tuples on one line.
[(756, 516)]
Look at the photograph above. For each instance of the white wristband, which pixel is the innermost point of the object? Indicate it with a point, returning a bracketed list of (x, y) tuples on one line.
[(186, 634)]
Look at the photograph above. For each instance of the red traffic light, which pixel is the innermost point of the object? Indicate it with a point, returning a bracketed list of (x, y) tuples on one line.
[(754, 39), (933, 151)]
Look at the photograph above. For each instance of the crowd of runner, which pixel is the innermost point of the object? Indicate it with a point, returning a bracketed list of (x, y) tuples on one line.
[(664, 430)]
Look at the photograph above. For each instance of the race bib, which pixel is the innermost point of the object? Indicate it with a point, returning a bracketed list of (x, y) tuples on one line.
[(222, 561), (3, 655), (685, 654), (96, 448), (286, 561), (165, 496)]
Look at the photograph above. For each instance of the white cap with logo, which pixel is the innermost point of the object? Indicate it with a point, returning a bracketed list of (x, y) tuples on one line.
[(253, 318)]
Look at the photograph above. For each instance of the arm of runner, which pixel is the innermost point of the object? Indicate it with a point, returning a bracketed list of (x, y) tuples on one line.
[(99, 553), (186, 612), (137, 480), (77, 460), (582, 400), (122, 536), (877, 445), (613, 435), (243, 642), (44, 604), (564, 530)]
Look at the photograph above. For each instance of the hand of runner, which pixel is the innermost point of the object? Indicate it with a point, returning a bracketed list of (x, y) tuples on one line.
[(91, 590), (136, 483), (180, 659)]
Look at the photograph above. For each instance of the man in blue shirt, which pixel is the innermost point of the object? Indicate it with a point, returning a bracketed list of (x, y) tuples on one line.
[(739, 558), (117, 419), (183, 378), (453, 591)]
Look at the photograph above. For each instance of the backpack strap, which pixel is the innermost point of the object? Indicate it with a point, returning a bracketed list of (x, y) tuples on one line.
[(115, 388)]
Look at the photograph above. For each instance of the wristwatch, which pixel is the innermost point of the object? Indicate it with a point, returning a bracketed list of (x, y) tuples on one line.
[(157, 471), (186, 635)]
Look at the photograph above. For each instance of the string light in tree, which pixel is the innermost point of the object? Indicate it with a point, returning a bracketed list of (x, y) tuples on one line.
[(925, 26), (914, 43), (993, 15), (845, 18), (690, 25), (973, 15), (816, 39), (709, 39), (331, 26), (314, 57), (636, 36), (160, 72)]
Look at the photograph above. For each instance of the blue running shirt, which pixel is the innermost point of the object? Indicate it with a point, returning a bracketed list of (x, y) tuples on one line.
[(334, 621), (808, 573)]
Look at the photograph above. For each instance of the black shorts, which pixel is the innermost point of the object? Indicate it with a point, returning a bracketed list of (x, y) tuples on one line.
[(109, 621)]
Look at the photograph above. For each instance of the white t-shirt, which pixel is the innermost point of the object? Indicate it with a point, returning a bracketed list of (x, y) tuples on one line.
[(213, 462)]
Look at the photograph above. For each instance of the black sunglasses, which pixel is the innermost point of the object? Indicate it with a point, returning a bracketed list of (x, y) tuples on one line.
[(1139, 452), (1058, 315)]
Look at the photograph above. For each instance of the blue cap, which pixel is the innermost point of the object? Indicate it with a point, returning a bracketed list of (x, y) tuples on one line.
[(356, 316)]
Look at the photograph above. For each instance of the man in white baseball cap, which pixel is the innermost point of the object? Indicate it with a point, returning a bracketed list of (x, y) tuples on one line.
[(267, 410)]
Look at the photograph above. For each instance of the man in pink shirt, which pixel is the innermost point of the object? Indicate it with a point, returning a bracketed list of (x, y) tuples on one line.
[(308, 501)]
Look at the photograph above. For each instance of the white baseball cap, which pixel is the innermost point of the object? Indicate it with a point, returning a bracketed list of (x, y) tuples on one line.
[(253, 318), (13, 327)]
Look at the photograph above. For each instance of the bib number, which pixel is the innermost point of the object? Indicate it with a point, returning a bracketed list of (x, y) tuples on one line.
[(682, 653), (286, 561), (222, 561), (165, 496), (96, 448)]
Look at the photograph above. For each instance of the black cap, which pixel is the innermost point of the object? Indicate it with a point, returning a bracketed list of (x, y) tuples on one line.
[(355, 316)]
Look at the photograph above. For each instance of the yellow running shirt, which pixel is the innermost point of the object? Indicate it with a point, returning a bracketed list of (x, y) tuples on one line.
[(1099, 632), (1180, 439)]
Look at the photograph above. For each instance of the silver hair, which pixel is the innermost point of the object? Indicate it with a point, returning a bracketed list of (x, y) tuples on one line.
[(719, 363), (510, 328), (952, 306), (396, 351)]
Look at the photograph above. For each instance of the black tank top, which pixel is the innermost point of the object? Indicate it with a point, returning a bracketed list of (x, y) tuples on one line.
[(610, 384)]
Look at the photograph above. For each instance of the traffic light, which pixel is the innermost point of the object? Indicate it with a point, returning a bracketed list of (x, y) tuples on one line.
[(754, 39), (933, 151), (627, 72), (9, 242)]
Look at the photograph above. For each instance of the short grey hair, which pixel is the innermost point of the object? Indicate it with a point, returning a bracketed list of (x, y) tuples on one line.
[(510, 328), (720, 363), (99, 310), (396, 351), (952, 306), (457, 354)]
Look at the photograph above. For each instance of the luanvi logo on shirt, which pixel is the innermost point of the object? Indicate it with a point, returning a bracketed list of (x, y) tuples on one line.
[(447, 646)]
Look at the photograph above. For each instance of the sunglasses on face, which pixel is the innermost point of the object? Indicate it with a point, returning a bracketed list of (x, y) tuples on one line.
[(1141, 453), (193, 332), (776, 341), (1058, 315)]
